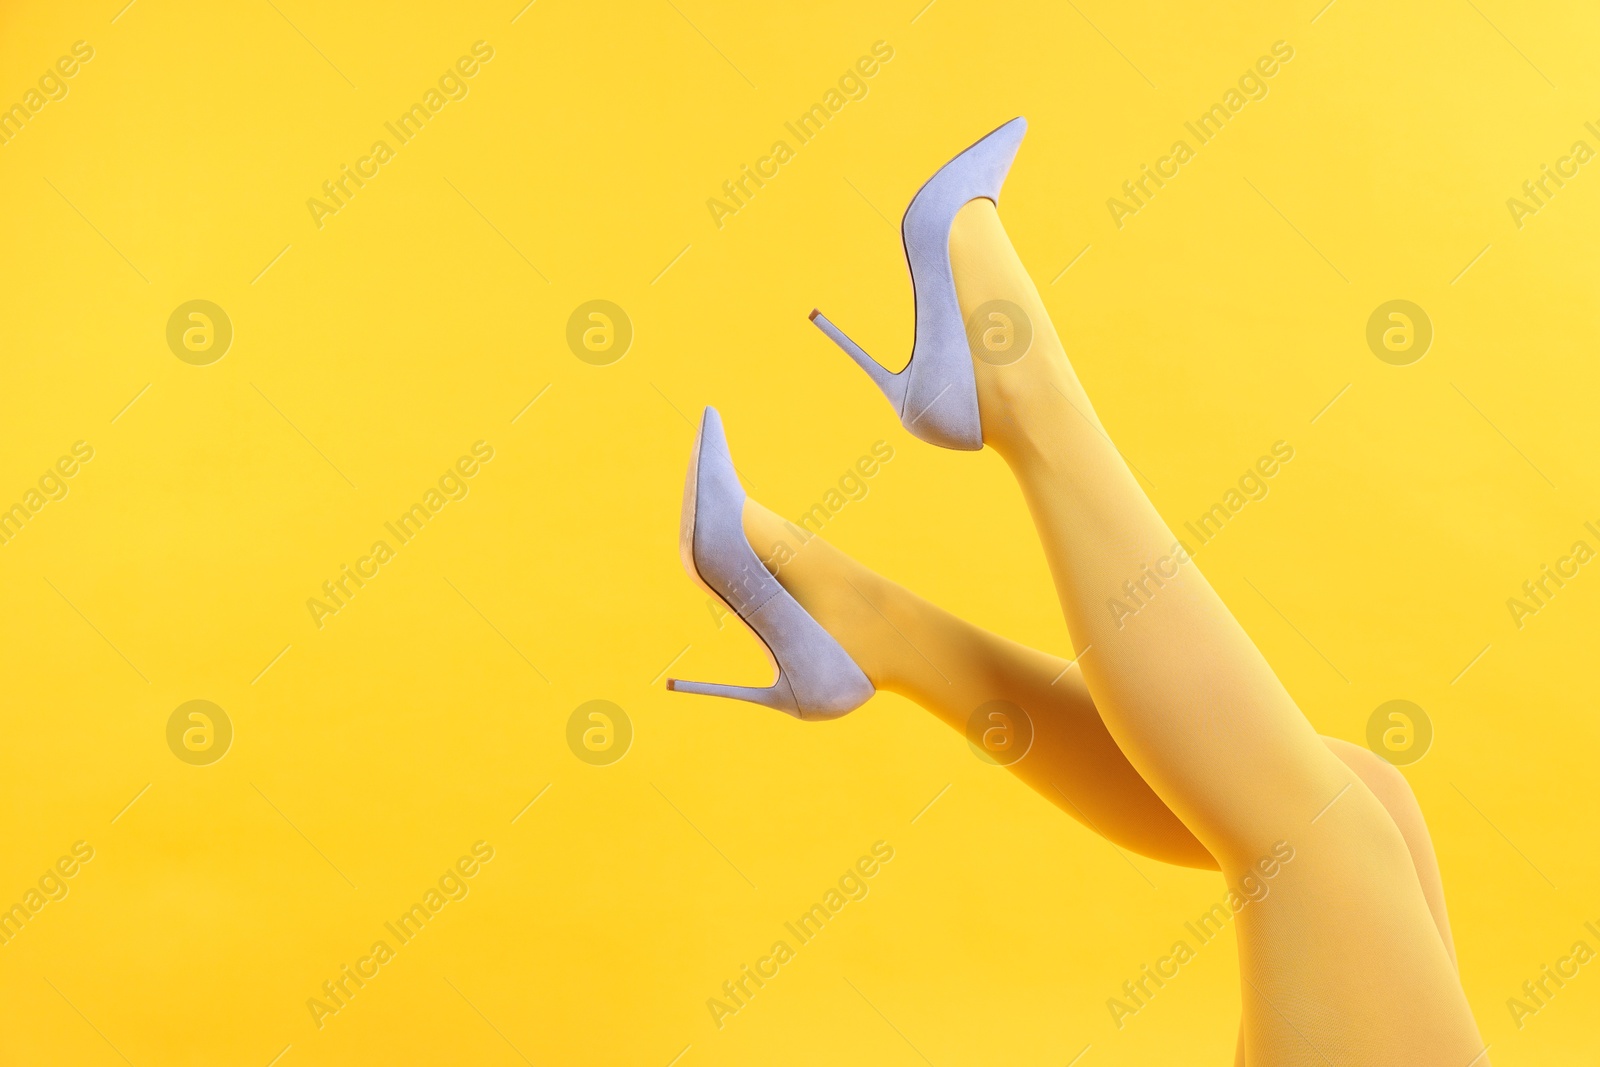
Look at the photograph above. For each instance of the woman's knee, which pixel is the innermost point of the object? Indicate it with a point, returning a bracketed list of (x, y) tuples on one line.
[(1382, 778)]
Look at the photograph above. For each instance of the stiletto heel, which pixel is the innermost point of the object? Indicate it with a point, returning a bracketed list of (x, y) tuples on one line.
[(893, 383), (936, 394), (771, 697), (816, 679)]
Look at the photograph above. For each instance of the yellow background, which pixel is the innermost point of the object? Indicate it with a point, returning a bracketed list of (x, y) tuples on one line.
[(377, 749)]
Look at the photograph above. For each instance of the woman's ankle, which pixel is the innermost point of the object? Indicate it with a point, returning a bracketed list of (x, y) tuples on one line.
[(1024, 411), (845, 598)]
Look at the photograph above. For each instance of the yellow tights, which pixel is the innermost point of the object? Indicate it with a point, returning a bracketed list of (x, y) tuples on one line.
[(1169, 734)]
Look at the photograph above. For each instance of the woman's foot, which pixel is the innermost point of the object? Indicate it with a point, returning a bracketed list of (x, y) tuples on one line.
[(842, 595), (934, 394), (816, 677)]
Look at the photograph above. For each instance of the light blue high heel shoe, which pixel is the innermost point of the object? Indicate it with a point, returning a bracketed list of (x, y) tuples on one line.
[(817, 679), (936, 395)]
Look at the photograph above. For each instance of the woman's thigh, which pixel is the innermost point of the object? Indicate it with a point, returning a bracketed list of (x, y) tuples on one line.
[(1341, 960)]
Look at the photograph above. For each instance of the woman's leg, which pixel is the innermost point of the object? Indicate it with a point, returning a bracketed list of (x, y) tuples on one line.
[(909, 646), (1347, 933), (1392, 790)]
